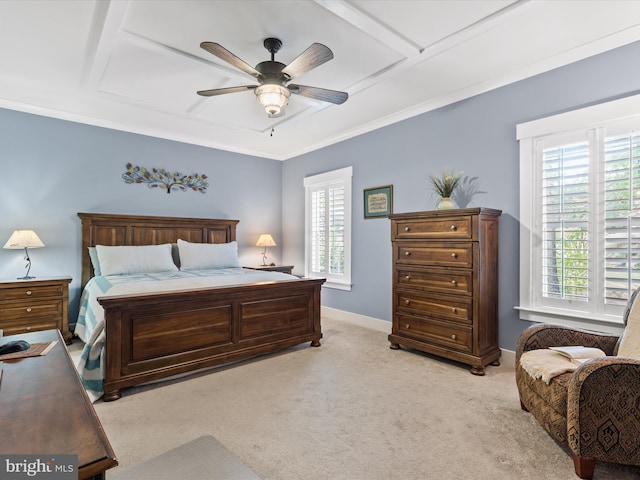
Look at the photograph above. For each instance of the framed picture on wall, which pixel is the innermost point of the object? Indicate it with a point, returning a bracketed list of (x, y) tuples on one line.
[(378, 201)]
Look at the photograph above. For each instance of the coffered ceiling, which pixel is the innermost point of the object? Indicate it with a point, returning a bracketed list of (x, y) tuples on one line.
[(135, 65)]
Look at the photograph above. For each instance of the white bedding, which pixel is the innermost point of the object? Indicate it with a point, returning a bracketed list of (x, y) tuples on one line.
[(90, 324)]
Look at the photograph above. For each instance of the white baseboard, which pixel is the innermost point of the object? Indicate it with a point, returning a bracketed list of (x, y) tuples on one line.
[(508, 357), (357, 319)]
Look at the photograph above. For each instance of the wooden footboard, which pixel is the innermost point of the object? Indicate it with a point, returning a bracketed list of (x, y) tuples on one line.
[(154, 336)]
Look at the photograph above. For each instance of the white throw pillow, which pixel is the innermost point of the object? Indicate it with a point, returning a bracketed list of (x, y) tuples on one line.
[(630, 343), (95, 262), (203, 256), (135, 259)]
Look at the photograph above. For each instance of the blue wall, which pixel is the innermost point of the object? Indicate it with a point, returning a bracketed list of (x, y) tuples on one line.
[(53, 169), (476, 136)]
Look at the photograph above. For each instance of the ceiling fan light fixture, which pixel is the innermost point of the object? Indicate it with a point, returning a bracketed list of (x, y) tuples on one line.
[(274, 98), (273, 92)]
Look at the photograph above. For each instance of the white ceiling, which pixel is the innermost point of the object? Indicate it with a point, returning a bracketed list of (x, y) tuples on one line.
[(135, 65)]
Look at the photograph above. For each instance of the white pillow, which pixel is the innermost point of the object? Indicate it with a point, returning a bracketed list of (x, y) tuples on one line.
[(95, 262), (135, 259), (202, 256)]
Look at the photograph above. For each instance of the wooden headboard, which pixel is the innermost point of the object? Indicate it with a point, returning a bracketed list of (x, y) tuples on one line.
[(112, 230)]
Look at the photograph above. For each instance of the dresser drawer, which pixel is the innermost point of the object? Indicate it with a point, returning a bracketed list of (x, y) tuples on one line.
[(14, 327), (458, 227), (30, 292), (458, 282), (456, 337), (443, 254), (30, 310), (459, 310)]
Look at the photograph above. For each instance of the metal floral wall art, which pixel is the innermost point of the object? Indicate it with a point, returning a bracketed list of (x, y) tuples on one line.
[(160, 178)]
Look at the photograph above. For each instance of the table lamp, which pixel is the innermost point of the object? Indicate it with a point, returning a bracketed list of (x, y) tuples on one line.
[(265, 240), (24, 239)]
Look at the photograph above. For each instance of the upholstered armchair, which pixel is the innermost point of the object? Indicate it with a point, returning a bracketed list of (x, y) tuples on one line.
[(594, 409)]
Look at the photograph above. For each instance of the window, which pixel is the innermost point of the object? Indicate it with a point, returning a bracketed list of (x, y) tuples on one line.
[(328, 227), (580, 214)]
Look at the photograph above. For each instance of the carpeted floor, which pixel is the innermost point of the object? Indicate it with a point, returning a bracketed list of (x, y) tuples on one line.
[(351, 409)]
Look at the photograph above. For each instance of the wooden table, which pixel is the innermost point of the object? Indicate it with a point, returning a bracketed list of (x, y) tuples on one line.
[(44, 409)]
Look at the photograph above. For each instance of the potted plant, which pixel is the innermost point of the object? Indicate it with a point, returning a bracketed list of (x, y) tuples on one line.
[(444, 186)]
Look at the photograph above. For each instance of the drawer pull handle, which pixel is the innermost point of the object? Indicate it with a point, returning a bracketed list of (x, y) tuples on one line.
[(407, 302), (28, 292), (407, 254), (407, 326), (454, 310), (454, 255), (453, 282), (29, 309), (453, 228), (406, 229), (407, 277), (28, 328), (453, 336)]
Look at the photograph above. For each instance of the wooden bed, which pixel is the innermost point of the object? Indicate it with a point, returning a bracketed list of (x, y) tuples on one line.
[(153, 336)]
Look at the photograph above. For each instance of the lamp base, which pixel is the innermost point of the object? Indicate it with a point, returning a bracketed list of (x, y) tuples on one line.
[(26, 277)]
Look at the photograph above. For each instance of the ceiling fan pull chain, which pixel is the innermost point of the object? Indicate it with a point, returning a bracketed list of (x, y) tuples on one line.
[(272, 130)]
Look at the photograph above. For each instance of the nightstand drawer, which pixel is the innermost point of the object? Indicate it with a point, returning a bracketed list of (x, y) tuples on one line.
[(13, 327), (30, 310), (458, 282), (458, 227), (445, 334), (25, 292), (444, 254)]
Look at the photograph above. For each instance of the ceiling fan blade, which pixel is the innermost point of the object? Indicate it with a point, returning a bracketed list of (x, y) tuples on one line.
[(224, 54), (222, 91), (332, 96), (312, 57)]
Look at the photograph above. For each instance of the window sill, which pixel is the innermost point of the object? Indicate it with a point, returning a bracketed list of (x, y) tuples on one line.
[(604, 324)]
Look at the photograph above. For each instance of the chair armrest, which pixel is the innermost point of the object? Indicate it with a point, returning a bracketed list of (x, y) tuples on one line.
[(545, 335), (603, 412)]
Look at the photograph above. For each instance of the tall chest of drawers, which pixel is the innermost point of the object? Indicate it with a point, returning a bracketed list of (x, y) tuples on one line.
[(35, 304), (445, 284)]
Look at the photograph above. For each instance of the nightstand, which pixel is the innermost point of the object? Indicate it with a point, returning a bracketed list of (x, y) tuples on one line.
[(273, 268), (35, 304)]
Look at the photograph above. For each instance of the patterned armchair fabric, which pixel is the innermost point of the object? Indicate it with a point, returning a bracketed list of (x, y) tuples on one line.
[(596, 409)]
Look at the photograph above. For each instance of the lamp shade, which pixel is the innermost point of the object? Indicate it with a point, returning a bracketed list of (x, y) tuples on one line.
[(23, 239), (273, 98), (265, 240)]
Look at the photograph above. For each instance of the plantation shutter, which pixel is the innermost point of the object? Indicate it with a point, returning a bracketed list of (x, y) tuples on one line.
[(622, 218), (318, 231), (336, 229), (580, 215), (328, 227), (565, 222)]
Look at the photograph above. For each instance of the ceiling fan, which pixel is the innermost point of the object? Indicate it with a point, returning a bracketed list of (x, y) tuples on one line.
[(273, 92)]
